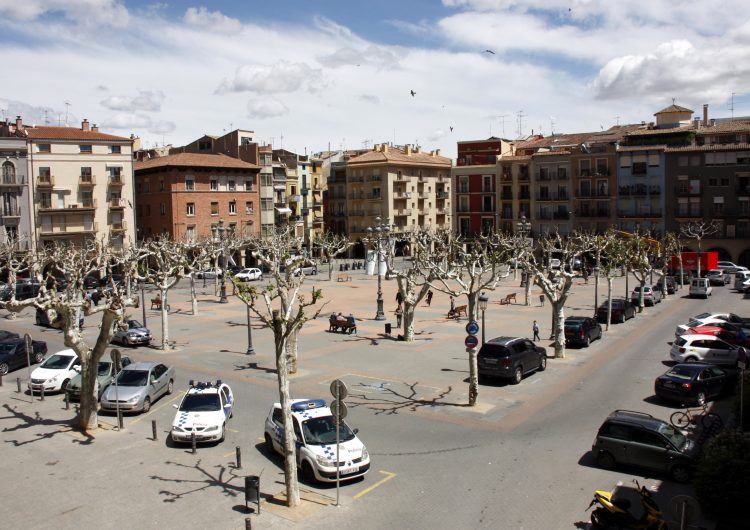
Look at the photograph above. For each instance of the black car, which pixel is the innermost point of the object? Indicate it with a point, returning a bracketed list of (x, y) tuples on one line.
[(13, 353), (5, 335), (582, 330), (639, 439), (691, 383), (27, 288), (510, 358), (671, 286), (621, 310)]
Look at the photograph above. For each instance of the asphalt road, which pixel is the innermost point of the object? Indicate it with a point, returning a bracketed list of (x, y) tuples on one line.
[(520, 461)]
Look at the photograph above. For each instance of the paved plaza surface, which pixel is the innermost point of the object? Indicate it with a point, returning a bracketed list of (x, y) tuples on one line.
[(518, 459)]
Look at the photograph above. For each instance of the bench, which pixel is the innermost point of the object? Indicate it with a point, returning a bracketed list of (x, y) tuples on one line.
[(156, 304), (344, 278), (458, 311), (508, 299), (344, 326)]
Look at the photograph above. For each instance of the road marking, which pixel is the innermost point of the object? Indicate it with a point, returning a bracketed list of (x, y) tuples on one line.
[(377, 484), (232, 430), (139, 418), (228, 454)]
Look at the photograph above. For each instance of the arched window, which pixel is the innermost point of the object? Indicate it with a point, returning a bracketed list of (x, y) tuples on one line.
[(9, 173)]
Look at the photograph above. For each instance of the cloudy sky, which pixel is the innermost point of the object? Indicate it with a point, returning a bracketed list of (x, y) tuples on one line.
[(304, 74)]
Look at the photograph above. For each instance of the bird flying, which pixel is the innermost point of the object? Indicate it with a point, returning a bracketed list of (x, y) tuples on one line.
[(489, 51), (451, 128), (412, 93)]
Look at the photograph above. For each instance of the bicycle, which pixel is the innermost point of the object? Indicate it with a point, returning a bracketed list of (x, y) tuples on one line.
[(681, 419)]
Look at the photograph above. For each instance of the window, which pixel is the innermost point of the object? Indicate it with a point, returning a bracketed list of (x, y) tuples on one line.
[(44, 148), (463, 184), (189, 184), (682, 161), (231, 185), (233, 208), (214, 208), (601, 166), (161, 184), (248, 206), (562, 173), (266, 205), (162, 209), (148, 210), (86, 174), (190, 233), (376, 193), (584, 168), (85, 148), (190, 211), (463, 205), (487, 204), (463, 226), (214, 185), (249, 185), (486, 182), (115, 149)]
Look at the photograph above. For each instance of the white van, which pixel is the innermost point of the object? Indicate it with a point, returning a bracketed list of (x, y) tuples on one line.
[(739, 278), (700, 288)]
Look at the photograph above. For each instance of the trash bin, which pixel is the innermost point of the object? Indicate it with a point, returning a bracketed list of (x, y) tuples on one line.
[(388, 328), (252, 490), (341, 267)]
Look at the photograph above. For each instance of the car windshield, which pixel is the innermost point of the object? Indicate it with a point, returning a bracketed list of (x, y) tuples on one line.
[(133, 324), (681, 372), (6, 347), (103, 368), (676, 437), (200, 403), (132, 378), (681, 341), (701, 316), (57, 362), (322, 431), (575, 324)]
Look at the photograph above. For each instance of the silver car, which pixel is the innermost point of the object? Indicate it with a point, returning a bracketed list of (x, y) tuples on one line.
[(132, 333), (139, 386), (104, 376)]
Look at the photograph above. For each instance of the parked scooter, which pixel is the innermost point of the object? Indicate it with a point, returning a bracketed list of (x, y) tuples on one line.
[(614, 511)]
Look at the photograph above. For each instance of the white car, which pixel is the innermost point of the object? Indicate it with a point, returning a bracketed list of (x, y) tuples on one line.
[(700, 287), (209, 274), (708, 319), (315, 433), (204, 410), (249, 275), (55, 373), (740, 279), (703, 348), (307, 270), (729, 268)]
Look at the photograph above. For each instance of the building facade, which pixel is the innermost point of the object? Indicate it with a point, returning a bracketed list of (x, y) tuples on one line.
[(16, 200)]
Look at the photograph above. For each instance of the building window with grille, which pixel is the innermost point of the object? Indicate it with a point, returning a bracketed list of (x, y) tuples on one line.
[(190, 233), (189, 184), (249, 207), (214, 208), (162, 209), (463, 184), (486, 183), (190, 210), (232, 185), (161, 184), (463, 204), (232, 208), (214, 185)]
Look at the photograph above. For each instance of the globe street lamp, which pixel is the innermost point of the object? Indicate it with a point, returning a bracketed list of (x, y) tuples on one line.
[(218, 234), (381, 235), (523, 227), (483, 300)]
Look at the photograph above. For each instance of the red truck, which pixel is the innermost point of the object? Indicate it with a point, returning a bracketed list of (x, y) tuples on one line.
[(708, 261)]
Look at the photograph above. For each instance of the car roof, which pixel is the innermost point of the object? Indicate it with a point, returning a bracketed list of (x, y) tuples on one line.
[(636, 418), (65, 353), (576, 319), (698, 336), (141, 365), (503, 341), (693, 367), (318, 411)]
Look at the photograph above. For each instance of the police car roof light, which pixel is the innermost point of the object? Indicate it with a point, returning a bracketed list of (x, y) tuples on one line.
[(309, 404), (192, 383), (218, 383)]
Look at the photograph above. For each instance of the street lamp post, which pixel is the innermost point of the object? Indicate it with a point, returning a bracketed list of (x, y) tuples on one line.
[(483, 300), (522, 227), (250, 349), (219, 233), (381, 233), (143, 302)]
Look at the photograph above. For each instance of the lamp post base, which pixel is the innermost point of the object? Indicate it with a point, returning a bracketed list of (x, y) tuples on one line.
[(250, 351), (223, 295), (380, 315)]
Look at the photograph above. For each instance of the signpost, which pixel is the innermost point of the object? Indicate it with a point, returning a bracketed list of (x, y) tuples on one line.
[(472, 328), (29, 348), (116, 359), (339, 410), (471, 342)]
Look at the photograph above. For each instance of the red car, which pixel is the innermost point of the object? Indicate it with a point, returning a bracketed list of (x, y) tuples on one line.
[(732, 337)]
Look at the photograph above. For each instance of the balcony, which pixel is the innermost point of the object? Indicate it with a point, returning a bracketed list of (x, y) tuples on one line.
[(122, 226), (10, 210), (639, 190), (373, 178), (402, 195), (552, 196), (584, 173), (401, 213), (67, 230), (356, 179), (423, 195), (593, 213), (115, 180), (86, 181), (401, 177), (116, 204), (524, 196), (10, 180), (506, 177), (443, 178), (294, 198), (639, 214), (443, 195), (45, 181), (687, 191), (360, 213), (442, 211), (561, 215), (601, 172)]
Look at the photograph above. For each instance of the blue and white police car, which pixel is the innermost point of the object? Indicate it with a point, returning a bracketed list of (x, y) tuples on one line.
[(315, 433), (204, 410)]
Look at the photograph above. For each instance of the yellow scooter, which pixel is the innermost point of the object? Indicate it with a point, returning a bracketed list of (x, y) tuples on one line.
[(614, 511)]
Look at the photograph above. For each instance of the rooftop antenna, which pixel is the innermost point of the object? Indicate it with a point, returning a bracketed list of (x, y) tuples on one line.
[(520, 116), (366, 143), (731, 104), (46, 120), (501, 117), (551, 125), (67, 108), (617, 120)]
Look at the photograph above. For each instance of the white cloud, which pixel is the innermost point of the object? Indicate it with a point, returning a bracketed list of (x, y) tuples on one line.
[(269, 79), (370, 98), (378, 56), (163, 127), (147, 100), (127, 120), (266, 108), (436, 135), (215, 21), (419, 29), (83, 12)]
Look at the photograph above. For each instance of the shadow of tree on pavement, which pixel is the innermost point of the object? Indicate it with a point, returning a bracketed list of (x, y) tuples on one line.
[(206, 479), (391, 401), (25, 421)]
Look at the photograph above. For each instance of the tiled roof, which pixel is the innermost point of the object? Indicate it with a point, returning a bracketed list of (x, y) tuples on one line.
[(612, 134), (671, 130), (515, 158), (673, 108), (69, 133), (395, 155), (564, 152), (724, 127), (626, 148), (712, 147), (195, 160)]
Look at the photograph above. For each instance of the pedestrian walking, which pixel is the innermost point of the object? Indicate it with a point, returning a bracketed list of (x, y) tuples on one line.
[(541, 300), (399, 298), (399, 313), (452, 310), (586, 275), (535, 328), (429, 297)]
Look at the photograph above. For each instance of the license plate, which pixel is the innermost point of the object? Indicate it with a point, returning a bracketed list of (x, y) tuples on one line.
[(349, 471), (490, 361)]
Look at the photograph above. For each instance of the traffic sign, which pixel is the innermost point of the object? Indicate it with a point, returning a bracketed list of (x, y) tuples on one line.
[(472, 328), (339, 410), (471, 341), (338, 389)]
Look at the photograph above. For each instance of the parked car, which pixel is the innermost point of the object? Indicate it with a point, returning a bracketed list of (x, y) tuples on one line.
[(582, 330), (686, 277), (671, 287), (308, 270), (739, 337), (700, 288), (204, 411), (27, 288), (315, 433), (714, 319), (717, 277), (43, 320), (621, 310), (5, 335), (740, 277), (650, 296), (13, 353), (5, 292), (132, 333), (209, 274), (510, 358), (55, 372), (691, 383), (729, 268), (638, 439), (703, 348), (139, 385), (92, 281), (105, 374), (248, 275)]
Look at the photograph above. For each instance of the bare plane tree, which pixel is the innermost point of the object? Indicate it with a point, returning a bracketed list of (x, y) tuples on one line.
[(613, 256), (699, 230), (332, 245), (282, 306), (642, 252), (15, 262)]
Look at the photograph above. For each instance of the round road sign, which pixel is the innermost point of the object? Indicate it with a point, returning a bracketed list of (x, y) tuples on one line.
[(471, 341), (339, 410), (337, 385), (472, 328)]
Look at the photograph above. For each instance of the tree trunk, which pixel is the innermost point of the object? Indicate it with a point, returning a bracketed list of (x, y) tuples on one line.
[(330, 268), (289, 448), (558, 327), (408, 320), (529, 285), (291, 351), (164, 321), (193, 297), (473, 376), (609, 301), (88, 419)]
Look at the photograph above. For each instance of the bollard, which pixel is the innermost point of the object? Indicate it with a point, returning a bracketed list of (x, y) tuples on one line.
[(248, 523), (18, 383), (1, 379), (192, 441), (239, 457), (67, 401), (153, 429), (41, 394), (119, 419)]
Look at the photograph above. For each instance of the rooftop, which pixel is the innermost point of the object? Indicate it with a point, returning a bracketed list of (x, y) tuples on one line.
[(387, 154), (194, 160)]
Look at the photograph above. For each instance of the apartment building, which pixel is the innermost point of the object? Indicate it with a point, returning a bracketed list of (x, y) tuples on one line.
[(267, 216), (82, 181), (16, 201), (184, 195)]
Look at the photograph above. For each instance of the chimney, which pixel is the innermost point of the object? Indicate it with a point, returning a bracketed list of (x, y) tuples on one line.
[(95, 128), (697, 122), (436, 152), (712, 122), (85, 125), (417, 149), (19, 123), (385, 148), (705, 115), (376, 147), (408, 149)]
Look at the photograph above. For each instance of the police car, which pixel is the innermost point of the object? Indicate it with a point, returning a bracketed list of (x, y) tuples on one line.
[(204, 410), (315, 433)]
